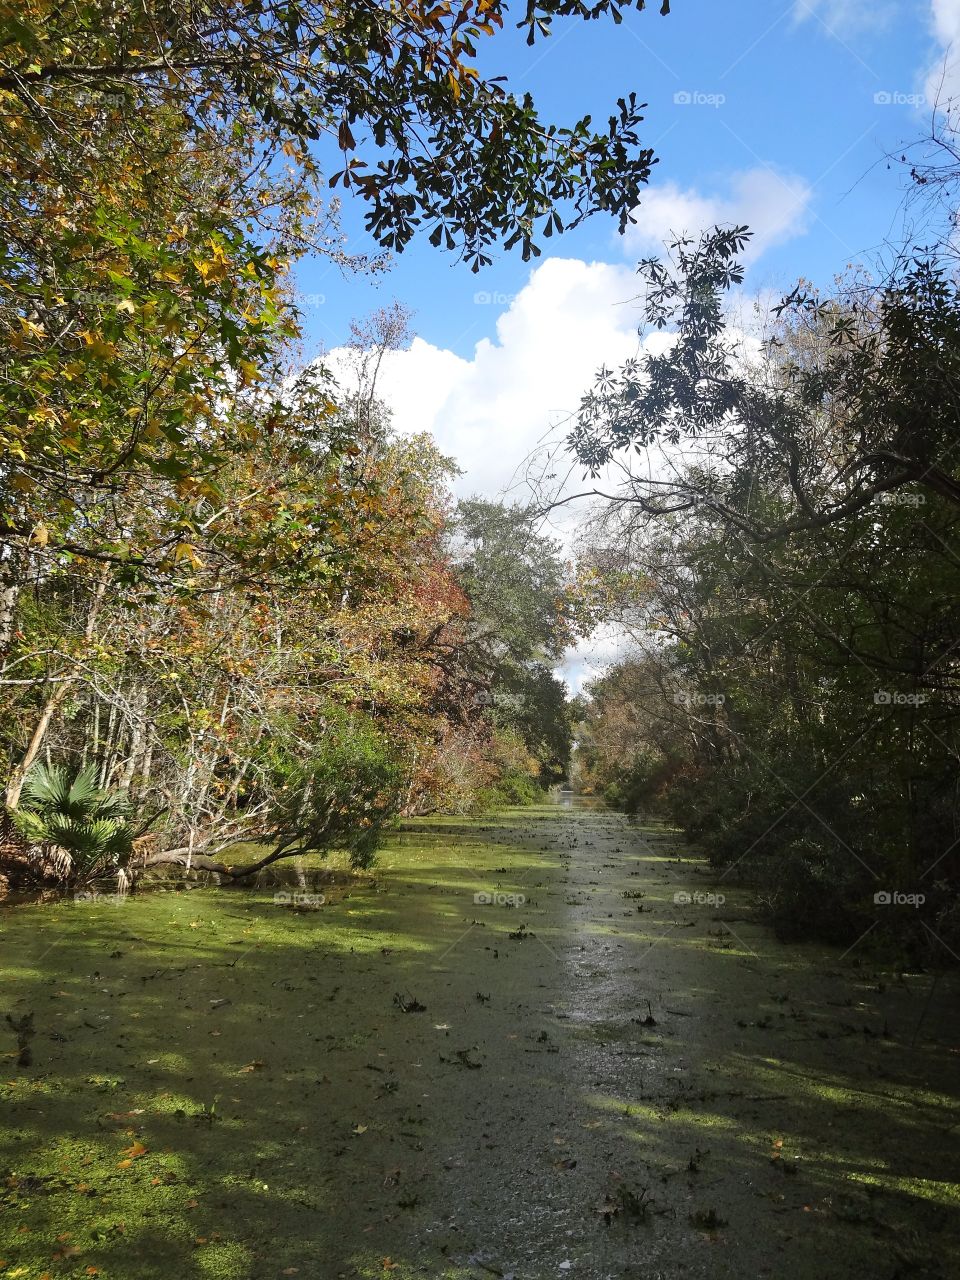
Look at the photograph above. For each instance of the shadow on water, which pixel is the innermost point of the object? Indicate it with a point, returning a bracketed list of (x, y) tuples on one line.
[(406, 1081)]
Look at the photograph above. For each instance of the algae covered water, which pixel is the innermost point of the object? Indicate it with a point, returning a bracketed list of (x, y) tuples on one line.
[(544, 1044)]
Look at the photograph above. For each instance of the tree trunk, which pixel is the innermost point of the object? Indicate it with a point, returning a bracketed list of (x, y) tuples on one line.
[(50, 708), (9, 595), (138, 731), (18, 776)]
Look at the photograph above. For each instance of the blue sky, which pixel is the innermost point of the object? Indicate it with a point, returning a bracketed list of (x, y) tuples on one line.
[(784, 118), (779, 115)]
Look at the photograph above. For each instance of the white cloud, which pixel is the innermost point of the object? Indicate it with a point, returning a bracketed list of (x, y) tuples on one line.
[(593, 657), (773, 205), (847, 17), (943, 78), (491, 411)]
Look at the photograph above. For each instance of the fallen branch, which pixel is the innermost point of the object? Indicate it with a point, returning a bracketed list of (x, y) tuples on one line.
[(179, 858)]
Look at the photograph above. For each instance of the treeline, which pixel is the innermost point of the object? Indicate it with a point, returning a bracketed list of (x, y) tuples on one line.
[(232, 603), (787, 561), (383, 651)]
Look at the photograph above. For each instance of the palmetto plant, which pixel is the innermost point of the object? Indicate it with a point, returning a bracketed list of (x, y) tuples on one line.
[(71, 813)]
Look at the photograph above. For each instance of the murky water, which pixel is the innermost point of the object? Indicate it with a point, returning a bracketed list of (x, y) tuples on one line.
[(533, 1046)]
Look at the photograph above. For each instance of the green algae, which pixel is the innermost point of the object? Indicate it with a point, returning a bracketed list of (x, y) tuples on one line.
[(294, 1121)]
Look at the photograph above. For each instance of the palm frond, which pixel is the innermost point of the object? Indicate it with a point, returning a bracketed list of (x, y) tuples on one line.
[(46, 786), (76, 816)]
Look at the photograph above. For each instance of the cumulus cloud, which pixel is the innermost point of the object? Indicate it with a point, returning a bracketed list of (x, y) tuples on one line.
[(943, 79), (492, 411), (773, 205), (494, 408), (489, 412)]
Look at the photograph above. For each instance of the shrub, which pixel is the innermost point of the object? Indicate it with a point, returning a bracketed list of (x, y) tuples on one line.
[(812, 890), (341, 796), (70, 813)]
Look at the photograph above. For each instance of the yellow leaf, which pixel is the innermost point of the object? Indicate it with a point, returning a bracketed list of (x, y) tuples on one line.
[(185, 551), (96, 346), (32, 330)]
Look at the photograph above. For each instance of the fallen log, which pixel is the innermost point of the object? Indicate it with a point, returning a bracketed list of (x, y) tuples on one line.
[(183, 857)]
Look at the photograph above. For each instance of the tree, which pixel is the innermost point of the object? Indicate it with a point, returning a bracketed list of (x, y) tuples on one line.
[(794, 707), (459, 155), (156, 184), (524, 612), (852, 397)]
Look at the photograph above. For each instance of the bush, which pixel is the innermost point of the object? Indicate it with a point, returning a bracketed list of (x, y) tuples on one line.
[(812, 891), (71, 814), (341, 796), (513, 787)]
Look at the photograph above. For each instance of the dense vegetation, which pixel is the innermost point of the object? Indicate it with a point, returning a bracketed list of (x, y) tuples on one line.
[(228, 592), (789, 567), (236, 606)]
